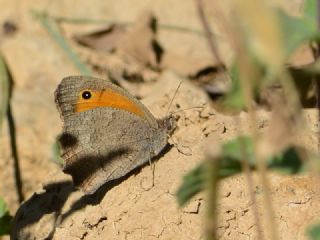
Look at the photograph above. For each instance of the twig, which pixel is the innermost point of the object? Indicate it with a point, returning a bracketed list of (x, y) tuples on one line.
[(211, 221), (216, 57), (248, 175), (246, 83), (209, 36)]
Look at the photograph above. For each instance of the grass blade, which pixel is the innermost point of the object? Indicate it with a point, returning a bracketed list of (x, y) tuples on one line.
[(4, 90), (51, 26)]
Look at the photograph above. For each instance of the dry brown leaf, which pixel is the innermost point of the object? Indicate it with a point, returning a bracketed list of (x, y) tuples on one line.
[(203, 72), (140, 41), (105, 39), (187, 66)]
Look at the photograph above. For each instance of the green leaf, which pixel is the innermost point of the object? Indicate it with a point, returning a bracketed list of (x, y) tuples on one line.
[(56, 153), (299, 30), (193, 183), (228, 164), (234, 99), (235, 149), (232, 155), (5, 218), (288, 162), (3, 208), (310, 14), (295, 32), (314, 232)]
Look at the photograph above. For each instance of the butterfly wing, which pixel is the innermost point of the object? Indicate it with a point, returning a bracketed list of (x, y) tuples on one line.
[(104, 143)]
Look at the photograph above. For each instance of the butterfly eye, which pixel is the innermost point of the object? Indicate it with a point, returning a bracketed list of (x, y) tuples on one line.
[(86, 95)]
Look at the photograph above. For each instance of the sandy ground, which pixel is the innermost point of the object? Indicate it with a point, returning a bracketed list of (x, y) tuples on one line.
[(132, 208)]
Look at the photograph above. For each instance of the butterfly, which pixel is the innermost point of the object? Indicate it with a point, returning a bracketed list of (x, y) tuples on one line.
[(107, 132)]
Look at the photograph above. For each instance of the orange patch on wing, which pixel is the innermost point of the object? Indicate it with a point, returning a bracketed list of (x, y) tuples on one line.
[(107, 98)]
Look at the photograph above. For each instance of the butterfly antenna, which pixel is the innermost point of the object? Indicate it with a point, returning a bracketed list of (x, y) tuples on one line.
[(174, 95), (185, 109)]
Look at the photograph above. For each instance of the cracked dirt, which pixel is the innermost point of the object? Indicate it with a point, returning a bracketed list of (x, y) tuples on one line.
[(140, 206)]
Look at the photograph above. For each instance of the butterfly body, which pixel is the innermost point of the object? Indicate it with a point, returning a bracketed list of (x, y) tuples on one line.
[(106, 133)]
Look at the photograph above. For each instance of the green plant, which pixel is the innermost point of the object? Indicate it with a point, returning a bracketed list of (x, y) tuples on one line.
[(264, 37), (5, 218)]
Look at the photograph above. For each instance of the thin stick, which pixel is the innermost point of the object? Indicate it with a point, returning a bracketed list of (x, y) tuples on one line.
[(216, 57), (261, 167), (212, 193), (209, 36), (249, 178), (250, 182), (211, 221), (317, 80)]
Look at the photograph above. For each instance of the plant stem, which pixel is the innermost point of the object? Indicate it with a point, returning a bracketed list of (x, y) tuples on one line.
[(213, 163), (212, 191), (247, 77), (248, 174)]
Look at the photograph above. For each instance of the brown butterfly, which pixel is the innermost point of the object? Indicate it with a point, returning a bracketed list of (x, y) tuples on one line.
[(106, 131)]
